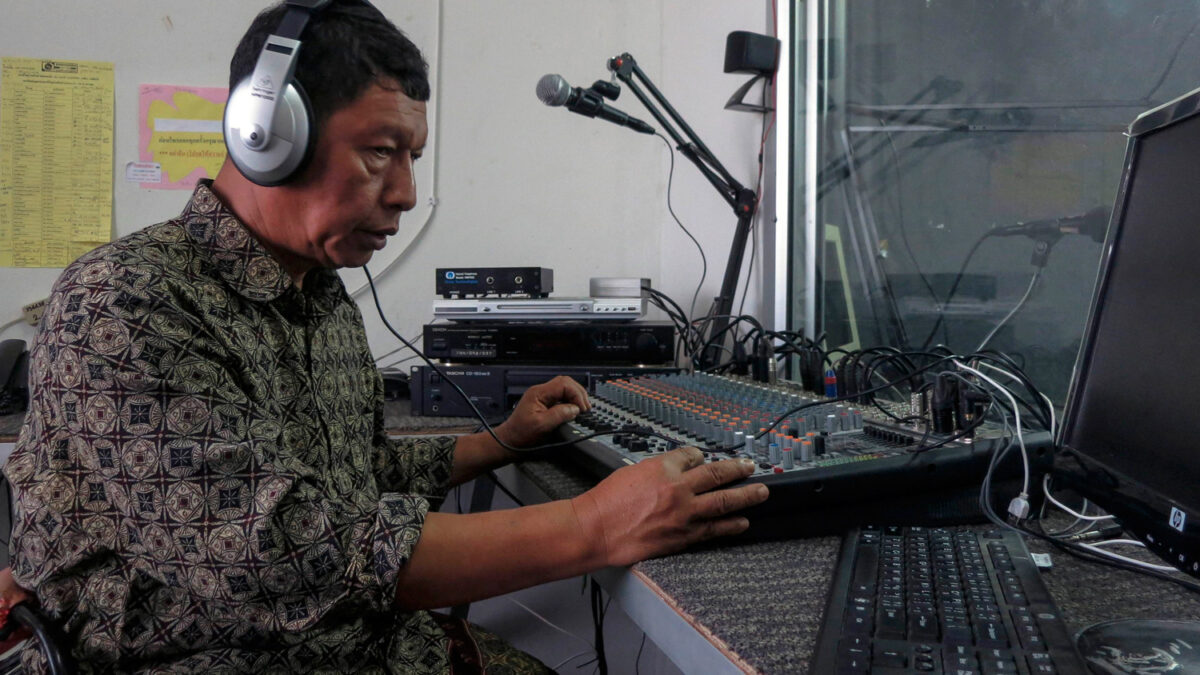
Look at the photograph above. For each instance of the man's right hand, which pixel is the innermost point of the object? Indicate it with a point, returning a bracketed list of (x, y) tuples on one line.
[(664, 504)]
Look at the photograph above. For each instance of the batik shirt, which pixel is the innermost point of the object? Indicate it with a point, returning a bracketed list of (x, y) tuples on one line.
[(203, 481)]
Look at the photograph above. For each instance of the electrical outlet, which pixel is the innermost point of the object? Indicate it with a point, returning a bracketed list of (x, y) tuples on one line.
[(32, 313)]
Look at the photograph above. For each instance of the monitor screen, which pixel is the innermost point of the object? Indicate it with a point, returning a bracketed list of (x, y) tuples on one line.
[(1137, 382)]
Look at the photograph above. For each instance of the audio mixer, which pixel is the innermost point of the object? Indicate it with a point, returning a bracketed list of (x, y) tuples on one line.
[(829, 465)]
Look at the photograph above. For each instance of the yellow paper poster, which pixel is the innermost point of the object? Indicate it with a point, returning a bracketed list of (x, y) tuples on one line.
[(179, 131), (56, 158)]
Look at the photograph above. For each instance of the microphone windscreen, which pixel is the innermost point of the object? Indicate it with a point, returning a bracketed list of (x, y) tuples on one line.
[(553, 89)]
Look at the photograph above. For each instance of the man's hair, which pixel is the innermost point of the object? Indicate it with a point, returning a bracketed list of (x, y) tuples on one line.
[(346, 47)]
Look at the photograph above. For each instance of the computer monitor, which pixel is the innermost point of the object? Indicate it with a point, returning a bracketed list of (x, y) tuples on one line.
[(1130, 440)]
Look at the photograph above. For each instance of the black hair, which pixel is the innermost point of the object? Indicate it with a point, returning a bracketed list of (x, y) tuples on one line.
[(346, 47)]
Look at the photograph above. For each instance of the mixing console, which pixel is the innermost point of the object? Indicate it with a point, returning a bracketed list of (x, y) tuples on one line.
[(860, 464)]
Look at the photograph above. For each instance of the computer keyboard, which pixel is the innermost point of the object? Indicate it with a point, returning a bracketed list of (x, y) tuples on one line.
[(959, 601)]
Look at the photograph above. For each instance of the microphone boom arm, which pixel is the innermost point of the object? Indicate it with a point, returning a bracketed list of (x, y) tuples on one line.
[(741, 199)]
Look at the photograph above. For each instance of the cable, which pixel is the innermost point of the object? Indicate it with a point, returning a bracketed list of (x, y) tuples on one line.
[(671, 210), (900, 216), (598, 612), (486, 425), (953, 289), (549, 623), (1064, 507), (1174, 57), (571, 658), (768, 123), (1096, 555), (1025, 298), (5, 326), (1095, 548), (637, 662), (401, 348), (1017, 416)]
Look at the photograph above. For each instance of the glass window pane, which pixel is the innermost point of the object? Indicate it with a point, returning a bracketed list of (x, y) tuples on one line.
[(957, 142)]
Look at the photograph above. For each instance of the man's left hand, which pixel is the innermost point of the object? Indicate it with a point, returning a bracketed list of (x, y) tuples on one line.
[(542, 408)]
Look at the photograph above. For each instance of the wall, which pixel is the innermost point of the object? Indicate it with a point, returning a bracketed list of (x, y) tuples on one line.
[(512, 182)]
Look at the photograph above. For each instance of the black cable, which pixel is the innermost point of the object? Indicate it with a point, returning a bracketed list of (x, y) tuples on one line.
[(671, 210), (483, 420), (953, 289), (900, 216), (503, 489), (1174, 57), (637, 662), (598, 612)]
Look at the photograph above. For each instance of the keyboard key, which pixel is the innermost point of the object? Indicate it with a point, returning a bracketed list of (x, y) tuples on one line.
[(890, 624), (991, 634), (1040, 663), (889, 658), (923, 627)]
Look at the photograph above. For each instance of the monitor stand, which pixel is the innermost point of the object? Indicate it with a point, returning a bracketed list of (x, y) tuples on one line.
[(1141, 646)]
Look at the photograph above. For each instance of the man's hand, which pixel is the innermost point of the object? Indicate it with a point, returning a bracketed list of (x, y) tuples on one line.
[(663, 504), (542, 408)]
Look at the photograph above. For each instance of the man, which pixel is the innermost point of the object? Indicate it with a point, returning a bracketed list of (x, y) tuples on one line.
[(203, 477)]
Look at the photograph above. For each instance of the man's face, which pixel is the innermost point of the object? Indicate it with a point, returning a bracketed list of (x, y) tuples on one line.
[(348, 201)]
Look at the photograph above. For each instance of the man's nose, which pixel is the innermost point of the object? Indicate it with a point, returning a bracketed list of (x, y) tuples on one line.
[(401, 189)]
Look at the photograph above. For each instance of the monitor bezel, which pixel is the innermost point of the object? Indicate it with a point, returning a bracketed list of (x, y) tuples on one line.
[(1141, 510)]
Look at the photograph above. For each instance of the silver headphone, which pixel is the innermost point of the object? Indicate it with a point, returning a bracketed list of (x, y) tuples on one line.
[(269, 128)]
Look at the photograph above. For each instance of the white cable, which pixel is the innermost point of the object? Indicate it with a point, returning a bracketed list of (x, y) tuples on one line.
[(1133, 561), (412, 229), (1021, 303), (10, 324), (1014, 378), (1125, 542), (569, 659), (1016, 415), (1064, 507), (546, 621)]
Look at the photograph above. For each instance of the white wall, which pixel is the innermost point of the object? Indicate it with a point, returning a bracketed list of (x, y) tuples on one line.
[(515, 182)]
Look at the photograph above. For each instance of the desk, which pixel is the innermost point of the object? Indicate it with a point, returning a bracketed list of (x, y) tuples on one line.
[(758, 607)]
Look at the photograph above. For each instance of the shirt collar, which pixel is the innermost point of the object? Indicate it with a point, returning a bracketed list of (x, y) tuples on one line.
[(241, 260)]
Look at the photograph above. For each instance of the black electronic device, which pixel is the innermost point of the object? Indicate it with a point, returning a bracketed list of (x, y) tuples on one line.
[(496, 388), (462, 282), (747, 52), (269, 127), (557, 342), (14, 376), (1128, 440), (829, 467), (941, 600)]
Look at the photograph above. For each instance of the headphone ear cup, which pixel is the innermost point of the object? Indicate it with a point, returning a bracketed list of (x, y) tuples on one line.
[(293, 135)]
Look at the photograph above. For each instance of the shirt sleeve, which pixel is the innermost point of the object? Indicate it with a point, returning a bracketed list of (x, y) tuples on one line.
[(411, 464), (140, 445)]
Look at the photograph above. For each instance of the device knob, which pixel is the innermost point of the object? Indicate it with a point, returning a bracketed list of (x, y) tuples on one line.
[(645, 347)]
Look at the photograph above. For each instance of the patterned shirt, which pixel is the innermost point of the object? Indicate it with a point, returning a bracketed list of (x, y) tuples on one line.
[(203, 479)]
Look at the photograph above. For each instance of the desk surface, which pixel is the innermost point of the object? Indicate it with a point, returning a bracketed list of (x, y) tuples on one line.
[(762, 603)]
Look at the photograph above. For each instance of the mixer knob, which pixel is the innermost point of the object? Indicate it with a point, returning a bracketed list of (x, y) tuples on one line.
[(788, 461)]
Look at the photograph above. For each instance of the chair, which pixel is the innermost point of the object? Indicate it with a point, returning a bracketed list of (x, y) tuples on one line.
[(23, 615)]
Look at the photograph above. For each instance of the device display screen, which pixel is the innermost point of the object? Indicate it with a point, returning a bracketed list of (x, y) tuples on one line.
[(1139, 388)]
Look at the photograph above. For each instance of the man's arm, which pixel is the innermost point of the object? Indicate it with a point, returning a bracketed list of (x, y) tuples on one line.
[(652, 508), (542, 408)]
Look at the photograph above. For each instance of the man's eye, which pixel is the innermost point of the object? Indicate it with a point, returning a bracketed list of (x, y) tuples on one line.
[(383, 151)]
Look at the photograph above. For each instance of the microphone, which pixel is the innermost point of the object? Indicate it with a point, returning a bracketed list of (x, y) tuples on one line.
[(1094, 224), (553, 90)]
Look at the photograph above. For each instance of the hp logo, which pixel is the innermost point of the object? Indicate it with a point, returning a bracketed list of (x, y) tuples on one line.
[(450, 275), (1178, 519)]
